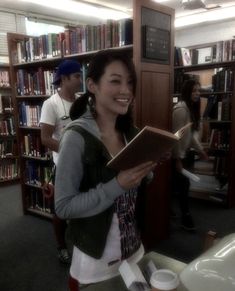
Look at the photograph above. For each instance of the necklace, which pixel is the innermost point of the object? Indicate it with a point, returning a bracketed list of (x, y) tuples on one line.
[(65, 116)]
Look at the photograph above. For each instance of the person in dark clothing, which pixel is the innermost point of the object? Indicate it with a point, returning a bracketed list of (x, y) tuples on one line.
[(185, 111)]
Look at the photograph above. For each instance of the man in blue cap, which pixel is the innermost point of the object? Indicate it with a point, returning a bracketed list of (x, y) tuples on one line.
[(54, 117)]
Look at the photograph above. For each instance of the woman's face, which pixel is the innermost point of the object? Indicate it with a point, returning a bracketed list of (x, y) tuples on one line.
[(114, 91), (195, 93)]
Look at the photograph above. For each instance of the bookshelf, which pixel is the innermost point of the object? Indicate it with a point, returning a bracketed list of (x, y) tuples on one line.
[(33, 61), (9, 170), (154, 88), (32, 79), (154, 106), (216, 76)]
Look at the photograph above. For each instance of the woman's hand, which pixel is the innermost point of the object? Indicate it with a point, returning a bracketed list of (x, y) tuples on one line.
[(131, 178)]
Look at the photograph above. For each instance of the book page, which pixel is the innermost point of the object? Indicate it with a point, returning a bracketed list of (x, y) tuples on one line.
[(150, 144)]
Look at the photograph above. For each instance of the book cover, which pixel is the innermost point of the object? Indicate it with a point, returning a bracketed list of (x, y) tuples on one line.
[(205, 55), (148, 145), (186, 56), (133, 277)]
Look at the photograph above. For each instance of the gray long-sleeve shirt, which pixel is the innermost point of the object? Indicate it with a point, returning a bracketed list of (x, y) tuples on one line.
[(181, 116), (69, 201)]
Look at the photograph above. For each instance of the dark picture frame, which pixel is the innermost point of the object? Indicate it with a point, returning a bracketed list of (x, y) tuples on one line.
[(156, 44)]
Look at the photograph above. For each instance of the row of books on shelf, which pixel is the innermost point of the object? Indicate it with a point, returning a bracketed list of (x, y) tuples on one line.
[(85, 38), (4, 79), (37, 48), (180, 78), (9, 169), (39, 81), (6, 105), (7, 127), (220, 51), (78, 39), (29, 115), (31, 146), (8, 148), (36, 174), (35, 82), (222, 80), (224, 109), (219, 139), (36, 201), (218, 107)]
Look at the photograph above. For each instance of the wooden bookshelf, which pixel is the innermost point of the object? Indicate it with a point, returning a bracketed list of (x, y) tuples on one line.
[(153, 103), (154, 106), (33, 157), (220, 126), (9, 169), (25, 67)]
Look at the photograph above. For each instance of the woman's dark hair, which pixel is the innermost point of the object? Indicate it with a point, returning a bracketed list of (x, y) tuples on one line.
[(96, 69), (194, 107)]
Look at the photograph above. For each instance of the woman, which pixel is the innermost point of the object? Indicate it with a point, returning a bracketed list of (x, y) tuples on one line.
[(185, 111), (100, 202)]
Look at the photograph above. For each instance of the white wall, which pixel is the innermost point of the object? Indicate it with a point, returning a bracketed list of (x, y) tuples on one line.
[(9, 22), (205, 33)]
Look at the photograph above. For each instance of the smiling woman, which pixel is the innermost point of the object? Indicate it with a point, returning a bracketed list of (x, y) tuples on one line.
[(99, 202)]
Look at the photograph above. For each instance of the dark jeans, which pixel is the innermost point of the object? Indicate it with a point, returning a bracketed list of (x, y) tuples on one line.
[(181, 186)]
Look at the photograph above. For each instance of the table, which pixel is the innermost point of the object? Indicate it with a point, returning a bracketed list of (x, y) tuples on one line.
[(161, 262)]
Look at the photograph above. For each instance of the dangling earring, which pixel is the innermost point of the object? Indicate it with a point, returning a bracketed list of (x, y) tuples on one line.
[(91, 104)]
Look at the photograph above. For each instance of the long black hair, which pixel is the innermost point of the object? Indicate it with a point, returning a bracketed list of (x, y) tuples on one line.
[(194, 107), (95, 71)]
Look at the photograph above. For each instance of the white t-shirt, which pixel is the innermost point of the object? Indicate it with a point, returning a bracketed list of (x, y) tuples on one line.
[(89, 270), (53, 109)]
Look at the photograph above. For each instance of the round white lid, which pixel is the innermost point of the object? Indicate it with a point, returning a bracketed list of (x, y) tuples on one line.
[(164, 279)]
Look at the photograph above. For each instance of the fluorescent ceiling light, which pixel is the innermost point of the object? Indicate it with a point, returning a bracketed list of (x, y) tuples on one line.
[(80, 8), (160, 1), (207, 16)]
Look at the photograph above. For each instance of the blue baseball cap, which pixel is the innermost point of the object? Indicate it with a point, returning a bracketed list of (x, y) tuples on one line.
[(66, 68)]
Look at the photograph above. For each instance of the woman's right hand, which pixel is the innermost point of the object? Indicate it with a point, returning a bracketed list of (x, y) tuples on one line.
[(131, 178)]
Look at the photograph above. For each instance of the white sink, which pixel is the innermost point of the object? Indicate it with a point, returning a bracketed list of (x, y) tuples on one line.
[(214, 270)]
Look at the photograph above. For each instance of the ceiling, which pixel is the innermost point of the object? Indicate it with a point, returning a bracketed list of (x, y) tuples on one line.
[(31, 9)]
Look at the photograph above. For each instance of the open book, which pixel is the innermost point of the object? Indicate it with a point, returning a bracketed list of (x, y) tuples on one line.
[(149, 144)]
